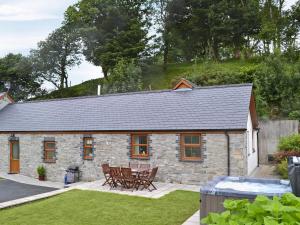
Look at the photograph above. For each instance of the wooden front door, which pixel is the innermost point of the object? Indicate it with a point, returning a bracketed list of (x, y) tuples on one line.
[(14, 157)]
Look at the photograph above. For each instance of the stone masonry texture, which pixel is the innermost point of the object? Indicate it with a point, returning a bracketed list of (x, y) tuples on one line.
[(115, 150)]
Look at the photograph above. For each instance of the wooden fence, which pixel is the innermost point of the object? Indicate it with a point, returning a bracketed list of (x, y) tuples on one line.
[(269, 134)]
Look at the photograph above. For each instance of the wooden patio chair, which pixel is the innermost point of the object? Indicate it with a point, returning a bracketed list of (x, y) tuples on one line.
[(116, 176), (129, 180), (144, 167), (134, 166), (147, 181), (108, 178)]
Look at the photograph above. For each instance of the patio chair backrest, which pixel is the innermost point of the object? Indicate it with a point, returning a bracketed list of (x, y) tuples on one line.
[(153, 173), (133, 165), (115, 171), (105, 168), (126, 172), (144, 166)]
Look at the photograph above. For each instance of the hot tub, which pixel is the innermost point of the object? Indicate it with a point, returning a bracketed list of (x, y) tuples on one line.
[(221, 188)]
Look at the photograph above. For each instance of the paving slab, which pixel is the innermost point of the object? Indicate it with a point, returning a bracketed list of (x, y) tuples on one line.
[(30, 180), (162, 189), (193, 220), (265, 171)]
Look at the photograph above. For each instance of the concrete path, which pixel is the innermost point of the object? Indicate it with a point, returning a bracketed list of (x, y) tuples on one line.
[(194, 219), (32, 181), (21, 201), (265, 171)]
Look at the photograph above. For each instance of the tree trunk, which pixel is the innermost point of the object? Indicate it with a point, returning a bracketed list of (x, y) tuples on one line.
[(105, 72), (63, 77), (166, 53), (215, 51), (62, 81), (237, 53), (66, 82)]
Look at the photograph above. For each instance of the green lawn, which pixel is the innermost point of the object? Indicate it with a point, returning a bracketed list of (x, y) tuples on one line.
[(99, 208)]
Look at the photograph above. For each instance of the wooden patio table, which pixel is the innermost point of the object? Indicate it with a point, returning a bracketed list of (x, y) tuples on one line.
[(138, 171)]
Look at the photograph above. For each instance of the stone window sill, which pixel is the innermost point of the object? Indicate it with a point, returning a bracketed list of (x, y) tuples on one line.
[(192, 161), (50, 161), (140, 157), (88, 158)]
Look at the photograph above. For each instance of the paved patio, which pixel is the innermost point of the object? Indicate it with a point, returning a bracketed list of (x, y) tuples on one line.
[(162, 189)]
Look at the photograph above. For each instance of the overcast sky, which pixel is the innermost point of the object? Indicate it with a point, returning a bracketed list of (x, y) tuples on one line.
[(25, 22)]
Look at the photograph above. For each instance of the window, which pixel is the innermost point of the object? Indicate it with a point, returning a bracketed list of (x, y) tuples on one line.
[(49, 149), (87, 148), (191, 147), (139, 146)]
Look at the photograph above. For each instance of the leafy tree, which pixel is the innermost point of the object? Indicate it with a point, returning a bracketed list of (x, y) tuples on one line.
[(163, 27), (291, 31), (277, 86), (54, 56), (17, 69), (124, 77), (111, 29), (206, 26)]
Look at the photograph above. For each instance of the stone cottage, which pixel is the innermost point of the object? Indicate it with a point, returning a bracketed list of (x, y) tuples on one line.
[(191, 133)]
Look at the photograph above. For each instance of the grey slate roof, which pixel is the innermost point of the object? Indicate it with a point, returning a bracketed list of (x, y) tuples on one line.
[(203, 108)]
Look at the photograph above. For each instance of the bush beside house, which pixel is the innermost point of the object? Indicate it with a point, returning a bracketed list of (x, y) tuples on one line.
[(288, 146), (41, 170)]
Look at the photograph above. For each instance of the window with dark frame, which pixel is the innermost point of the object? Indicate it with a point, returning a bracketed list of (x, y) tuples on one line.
[(139, 146), (49, 151), (190, 147), (88, 148)]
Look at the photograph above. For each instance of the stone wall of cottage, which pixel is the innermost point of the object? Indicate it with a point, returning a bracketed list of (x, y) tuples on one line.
[(4, 153), (115, 149)]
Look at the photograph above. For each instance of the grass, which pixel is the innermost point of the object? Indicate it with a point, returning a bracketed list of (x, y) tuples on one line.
[(159, 79), (84, 89), (96, 208)]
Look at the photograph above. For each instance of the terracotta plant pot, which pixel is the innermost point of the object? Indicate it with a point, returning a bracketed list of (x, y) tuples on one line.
[(42, 178)]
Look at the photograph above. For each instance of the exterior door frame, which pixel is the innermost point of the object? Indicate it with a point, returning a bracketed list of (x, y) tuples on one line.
[(14, 164)]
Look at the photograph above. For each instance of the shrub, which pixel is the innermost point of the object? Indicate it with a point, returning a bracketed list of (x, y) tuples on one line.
[(41, 170), (124, 77), (284, 210), (284, 155), (282, 168), (290, 143)]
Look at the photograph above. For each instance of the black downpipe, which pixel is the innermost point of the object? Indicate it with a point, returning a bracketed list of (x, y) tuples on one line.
[(257, 141), (228, 152)]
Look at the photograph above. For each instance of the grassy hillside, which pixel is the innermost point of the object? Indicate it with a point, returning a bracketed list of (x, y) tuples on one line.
[(155, 78), (84, 89), (159, 79)]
